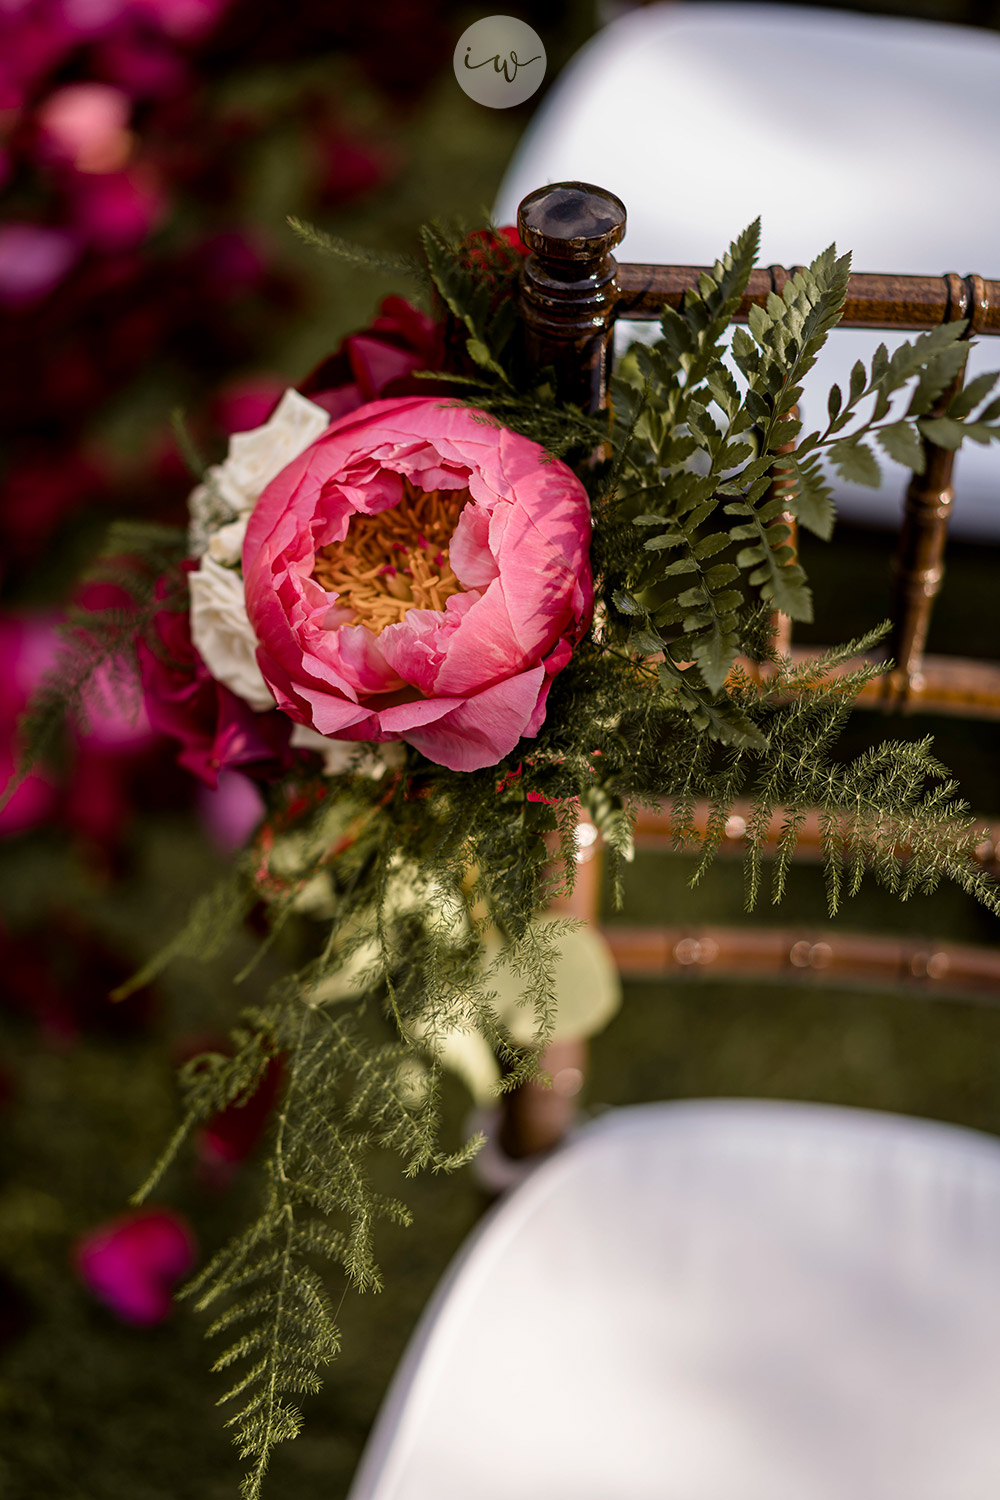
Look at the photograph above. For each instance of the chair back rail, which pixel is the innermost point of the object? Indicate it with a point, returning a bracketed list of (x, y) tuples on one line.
[(657, 830), (918, 966), (898, 303)]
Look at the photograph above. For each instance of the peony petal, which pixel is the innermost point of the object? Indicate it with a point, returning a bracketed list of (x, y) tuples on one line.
[(402, 717), (469, 551), (485, 728)]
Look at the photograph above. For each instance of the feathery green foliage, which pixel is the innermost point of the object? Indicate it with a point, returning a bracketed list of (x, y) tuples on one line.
[(97, 648), (359, 255)]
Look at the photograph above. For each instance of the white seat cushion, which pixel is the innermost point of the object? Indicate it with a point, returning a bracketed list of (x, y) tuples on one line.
[(879, 133), (729, 1300)]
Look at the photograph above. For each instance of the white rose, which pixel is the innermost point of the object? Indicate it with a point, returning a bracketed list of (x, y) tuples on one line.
[(226, 544), (256, 457), (223, 635), (233, 488)]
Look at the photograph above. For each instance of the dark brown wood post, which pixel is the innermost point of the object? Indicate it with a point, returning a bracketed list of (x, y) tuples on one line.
[(918, 566), (567, 302), (568, 285)]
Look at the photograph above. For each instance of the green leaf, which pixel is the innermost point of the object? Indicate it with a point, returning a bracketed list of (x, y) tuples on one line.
[(944, 431), (834, 402), (647, 642), (625, 603), (859, 380), (482, 357), (970, 396), (902, 442), (382, 261), (856, 463), (811, 496), (709, 545), (745, 354)]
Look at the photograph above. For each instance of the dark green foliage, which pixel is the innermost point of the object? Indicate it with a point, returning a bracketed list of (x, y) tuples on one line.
[(675, 693)]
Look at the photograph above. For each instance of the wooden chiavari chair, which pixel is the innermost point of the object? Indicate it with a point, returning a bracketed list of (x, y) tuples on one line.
[(573, 291)]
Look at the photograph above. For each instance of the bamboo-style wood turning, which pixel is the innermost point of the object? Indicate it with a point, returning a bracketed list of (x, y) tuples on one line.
[(902, 303)]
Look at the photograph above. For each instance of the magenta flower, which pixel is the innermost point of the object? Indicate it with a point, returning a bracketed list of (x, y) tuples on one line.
[(27, 652), (230, 811), (117, 210), (247, 402), (133, 1263), (420, 574), (33, 259)]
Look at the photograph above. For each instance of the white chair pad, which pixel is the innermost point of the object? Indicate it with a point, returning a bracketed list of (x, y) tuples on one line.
[(729, 1300)]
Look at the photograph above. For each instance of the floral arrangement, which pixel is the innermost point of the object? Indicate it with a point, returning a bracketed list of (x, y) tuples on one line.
[(439, 615)]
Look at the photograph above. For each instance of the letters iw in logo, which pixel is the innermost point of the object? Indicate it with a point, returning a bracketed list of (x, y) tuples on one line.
[(499, 61)]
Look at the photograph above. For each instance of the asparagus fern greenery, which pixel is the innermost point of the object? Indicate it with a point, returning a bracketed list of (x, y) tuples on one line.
[(677, 693)]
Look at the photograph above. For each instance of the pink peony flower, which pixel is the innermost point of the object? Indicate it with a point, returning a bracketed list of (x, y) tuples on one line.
[(133, 1263), (420, 574)]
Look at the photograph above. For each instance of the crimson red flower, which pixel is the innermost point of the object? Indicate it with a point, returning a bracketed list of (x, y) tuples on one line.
[(232, 1135), (378, 361), (214, 727), (489, 249)]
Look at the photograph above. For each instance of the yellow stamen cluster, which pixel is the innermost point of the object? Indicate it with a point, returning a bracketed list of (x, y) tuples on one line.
[(395, 561)]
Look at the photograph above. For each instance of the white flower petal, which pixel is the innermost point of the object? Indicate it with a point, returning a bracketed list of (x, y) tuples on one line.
[(356, 757), (223, 635), (226, 545), (256, 457), (233, 488)]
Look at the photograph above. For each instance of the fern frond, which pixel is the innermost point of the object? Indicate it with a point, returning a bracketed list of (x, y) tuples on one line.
[(384, 261)]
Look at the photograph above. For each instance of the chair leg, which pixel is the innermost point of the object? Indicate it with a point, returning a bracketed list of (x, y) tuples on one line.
[(535, 1117)]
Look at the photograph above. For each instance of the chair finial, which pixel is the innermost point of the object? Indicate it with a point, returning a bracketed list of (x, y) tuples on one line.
[(571, 221), (568, 286)]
